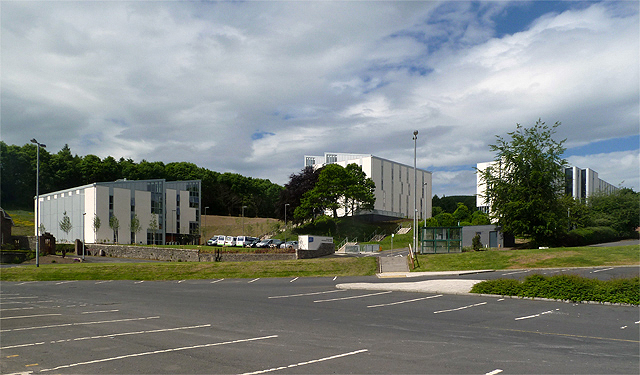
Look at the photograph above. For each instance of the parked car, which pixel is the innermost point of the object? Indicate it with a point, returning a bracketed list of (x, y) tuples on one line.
[(230, 241), (212, 241), (243, 240), (290, 245), (276, 243), (251, 243), (265, 243), (220, 241)]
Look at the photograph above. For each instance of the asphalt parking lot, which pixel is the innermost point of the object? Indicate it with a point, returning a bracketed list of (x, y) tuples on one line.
[(304, 325)]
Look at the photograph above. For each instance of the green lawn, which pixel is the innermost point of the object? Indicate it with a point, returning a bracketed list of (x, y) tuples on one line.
[(192, 270), (586, 256)]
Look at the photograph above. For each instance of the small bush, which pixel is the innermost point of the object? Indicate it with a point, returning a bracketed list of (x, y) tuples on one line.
[(590, 235), (565, 287), (475, 242)]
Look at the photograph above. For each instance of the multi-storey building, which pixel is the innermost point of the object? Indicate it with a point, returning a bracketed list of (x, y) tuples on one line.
[(395, 183), (167, 211), (579, 183)]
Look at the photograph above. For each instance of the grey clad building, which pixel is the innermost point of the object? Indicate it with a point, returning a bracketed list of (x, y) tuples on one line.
[(166, 211)]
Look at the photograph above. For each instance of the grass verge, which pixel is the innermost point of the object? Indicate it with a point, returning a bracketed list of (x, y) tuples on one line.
[(200, 270), (587, 256), (565, 287)]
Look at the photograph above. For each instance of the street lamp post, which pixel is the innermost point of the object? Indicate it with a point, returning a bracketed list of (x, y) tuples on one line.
[(415, 193), (33, 140), (243, 207), (424, 197), (204, 233), (285, 223), (84, 214)]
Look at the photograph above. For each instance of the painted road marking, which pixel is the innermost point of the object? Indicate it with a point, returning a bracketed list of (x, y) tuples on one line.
[(410, 300), (106, 336), (515, 272), (65, 282), (102, 282), (28, 316), (494, 372), (216, 281), (309, 294), (157, 352), (3, 298), (307, 362), (460, 308), (17, 308), (536, 315), (139, 282), (606, 269), (334, 279), (352, 297), (79, 324), (99, 312), (294, 279), (253, 280)]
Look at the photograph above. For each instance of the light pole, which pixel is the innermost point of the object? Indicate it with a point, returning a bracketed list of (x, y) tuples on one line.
[(415, 193), (243, 207), (204, 233), (285, 224), (424, 197), (84, 214), (33, 140)]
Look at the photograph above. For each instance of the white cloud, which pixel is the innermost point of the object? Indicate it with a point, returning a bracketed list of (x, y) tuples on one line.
[(191, 81)]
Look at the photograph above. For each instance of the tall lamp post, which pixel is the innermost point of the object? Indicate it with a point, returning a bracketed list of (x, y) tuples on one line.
[(415, 193), (84, 214), (204, 234), (243, 207), (33, 140), (285, 224), (424, 197)]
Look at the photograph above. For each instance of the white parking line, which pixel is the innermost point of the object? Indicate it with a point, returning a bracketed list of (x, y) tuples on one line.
[(102, 282), (293, 280), (4, 298), (410, 300), (99, 312), (216, 281), (253, 280), (310, 294), (352, 297), (494, 372), (460, 308), (536, 315), (106, 336), (157, 352), (606, 269), (334, 279), (139, 282), (65, 282), (17, 308), (306, 363), (515, 272), (28, 316), (78, 324)]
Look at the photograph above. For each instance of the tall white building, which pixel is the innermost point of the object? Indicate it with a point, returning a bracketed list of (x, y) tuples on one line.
[(394, 182), (175, 206), (579, 183)]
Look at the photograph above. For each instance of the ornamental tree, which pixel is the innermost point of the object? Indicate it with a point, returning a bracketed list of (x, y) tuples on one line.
[(524, 184)]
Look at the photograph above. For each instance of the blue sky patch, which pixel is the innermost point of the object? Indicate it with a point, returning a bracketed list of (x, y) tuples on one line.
[(604, 147), (260, 134)]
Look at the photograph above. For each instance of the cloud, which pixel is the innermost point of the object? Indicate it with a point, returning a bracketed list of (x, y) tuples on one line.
[(251, 87)]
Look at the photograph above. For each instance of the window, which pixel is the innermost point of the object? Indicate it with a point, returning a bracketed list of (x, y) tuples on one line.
[(331, 158)]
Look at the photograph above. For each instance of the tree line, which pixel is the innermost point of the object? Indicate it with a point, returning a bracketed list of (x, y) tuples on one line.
[(223, 193)]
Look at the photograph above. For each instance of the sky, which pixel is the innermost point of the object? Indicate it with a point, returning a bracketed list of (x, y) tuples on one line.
[(250, 87)]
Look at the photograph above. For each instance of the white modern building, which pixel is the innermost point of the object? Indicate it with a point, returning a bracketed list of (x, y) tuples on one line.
[(394, 182), (579, 183), (167, 211)]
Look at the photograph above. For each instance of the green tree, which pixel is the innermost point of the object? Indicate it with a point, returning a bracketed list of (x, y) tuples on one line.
[(337, 187), (480, 218), (96, 227), (620, 211), (114, 224), (65, 224), (462, 213), (153, 226), (524, 185), (135, 227)]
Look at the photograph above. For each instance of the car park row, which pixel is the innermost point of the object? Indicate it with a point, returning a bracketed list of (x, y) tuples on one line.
[(247, 241)]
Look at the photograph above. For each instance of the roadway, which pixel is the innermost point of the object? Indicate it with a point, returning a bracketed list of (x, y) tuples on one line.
[(307, 325)]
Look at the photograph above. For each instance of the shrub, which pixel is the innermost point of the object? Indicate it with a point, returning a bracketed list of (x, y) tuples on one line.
[(590, 235), (475, 242)]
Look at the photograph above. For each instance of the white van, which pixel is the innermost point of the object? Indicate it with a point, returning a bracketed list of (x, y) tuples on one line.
[(220, 241), (230, 241), (243, 240)]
